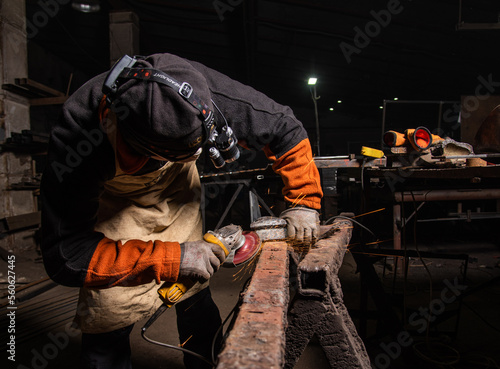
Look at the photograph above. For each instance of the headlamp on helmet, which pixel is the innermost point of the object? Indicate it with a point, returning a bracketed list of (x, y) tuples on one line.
[(217, 134)]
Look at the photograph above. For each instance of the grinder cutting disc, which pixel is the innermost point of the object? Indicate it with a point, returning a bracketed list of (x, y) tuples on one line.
[(245, 252)]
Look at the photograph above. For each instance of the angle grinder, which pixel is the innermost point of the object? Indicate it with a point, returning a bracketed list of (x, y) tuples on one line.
[(239, 247)]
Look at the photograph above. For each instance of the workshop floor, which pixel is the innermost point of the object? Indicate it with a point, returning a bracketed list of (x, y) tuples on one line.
[(45, 311)]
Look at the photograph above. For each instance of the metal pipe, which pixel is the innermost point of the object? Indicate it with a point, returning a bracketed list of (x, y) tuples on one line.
[(383, 124), (470, 156), (331, 157), (444, 195), (315, 101), (419, 102)]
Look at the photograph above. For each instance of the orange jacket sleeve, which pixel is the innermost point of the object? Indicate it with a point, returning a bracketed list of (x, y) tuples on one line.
[(302, 185), (132, 263)]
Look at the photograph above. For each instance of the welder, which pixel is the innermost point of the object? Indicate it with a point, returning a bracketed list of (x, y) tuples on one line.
[(121, 193)]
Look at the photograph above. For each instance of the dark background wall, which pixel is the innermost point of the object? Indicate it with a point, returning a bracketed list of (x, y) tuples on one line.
[(362, 52)]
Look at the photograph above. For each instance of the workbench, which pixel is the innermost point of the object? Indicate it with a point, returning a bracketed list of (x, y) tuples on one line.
[(422, 185), (364, 187), (399, 194)]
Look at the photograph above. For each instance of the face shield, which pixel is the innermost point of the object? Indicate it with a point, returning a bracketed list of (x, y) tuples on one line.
[(158, 152)]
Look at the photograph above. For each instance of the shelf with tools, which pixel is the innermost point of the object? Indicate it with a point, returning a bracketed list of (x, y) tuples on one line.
[(26, 145), (27, 141), (35, 92)]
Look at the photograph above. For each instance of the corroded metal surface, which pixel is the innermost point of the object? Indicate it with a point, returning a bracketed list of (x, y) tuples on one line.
[(320, 266), (319, 308), (257, 338), (264, 336), (269, 228)]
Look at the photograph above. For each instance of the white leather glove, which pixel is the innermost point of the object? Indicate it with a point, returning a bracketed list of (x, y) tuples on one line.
[(303, 223), (200, 260)]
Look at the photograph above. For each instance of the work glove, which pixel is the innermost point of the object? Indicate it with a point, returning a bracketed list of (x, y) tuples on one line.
[(200, 260), (303, 223)]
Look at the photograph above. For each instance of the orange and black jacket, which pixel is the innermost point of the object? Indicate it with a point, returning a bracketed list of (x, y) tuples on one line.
[(81, 159)]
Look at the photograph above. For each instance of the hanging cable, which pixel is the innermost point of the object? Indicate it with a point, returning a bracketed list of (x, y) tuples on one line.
[(164, 308), (151, 320), (231, 313), (352, 220)]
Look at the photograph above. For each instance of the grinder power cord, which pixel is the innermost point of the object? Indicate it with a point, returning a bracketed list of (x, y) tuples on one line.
[(228, 245)]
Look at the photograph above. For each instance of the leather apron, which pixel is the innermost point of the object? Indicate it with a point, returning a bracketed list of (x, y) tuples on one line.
[(161, 205)]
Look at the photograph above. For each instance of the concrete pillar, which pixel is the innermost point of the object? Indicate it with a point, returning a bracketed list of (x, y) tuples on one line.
[(123, 34), (14, 117)]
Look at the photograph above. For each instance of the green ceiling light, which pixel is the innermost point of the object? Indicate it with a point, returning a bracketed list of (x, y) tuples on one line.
[(339, 101), (331, 109), (396, 99), (86, 6), (312, 81)]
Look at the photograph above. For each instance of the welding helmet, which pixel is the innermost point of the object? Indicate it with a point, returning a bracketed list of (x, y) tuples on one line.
[(164, 109)]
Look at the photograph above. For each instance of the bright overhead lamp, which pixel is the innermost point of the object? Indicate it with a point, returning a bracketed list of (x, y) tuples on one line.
[(86, 6), (331, 109), (312, 82), (396, 99), (339, 101)]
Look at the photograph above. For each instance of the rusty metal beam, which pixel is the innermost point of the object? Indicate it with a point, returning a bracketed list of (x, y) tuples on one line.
[(319, 308), (322, 263), (265, 336), (257, 338)]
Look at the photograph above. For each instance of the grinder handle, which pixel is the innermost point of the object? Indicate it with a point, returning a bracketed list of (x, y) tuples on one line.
[(171, 292)]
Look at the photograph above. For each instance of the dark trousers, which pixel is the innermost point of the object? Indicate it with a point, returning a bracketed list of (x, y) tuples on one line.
[(197, 317)]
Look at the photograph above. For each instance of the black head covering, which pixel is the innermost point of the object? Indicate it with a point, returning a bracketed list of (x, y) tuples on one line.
[(156, 114)]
